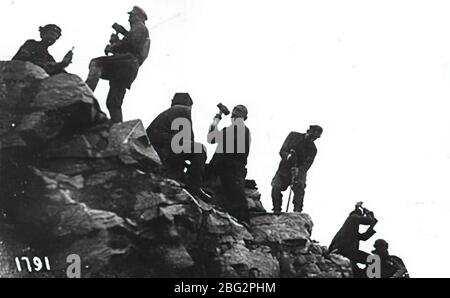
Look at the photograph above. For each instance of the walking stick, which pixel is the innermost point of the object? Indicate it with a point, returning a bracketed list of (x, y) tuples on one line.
[(289, 200), (293, 179)]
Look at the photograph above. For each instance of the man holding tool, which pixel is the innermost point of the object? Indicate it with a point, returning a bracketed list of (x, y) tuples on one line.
[(297, 156), (37, 53)]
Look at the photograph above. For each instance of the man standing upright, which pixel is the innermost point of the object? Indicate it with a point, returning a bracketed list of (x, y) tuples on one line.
[(37, 53), (297, 156), (230, 160), (121, 69)]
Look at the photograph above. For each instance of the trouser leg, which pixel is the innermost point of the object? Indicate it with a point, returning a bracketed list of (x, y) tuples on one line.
[(114, 101), (95, 72), (358, 257), (299, 192), (279, 184), (277, 199), (233, 184), (196, 169)]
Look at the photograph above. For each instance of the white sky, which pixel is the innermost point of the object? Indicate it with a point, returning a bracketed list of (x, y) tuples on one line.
[(374, 74)]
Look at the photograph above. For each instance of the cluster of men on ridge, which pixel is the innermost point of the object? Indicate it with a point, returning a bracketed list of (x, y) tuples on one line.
[(120, 65)]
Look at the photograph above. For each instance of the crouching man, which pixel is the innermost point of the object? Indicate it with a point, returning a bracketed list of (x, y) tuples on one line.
[(172, 137)]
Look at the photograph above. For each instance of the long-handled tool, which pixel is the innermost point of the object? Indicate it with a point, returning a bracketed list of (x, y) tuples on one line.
[(294, 172), (289, 199)]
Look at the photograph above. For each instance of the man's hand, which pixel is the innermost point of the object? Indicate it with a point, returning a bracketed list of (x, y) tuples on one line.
[(67, 58), (108, 49), (119, 29), (114, 38), (291, 156)]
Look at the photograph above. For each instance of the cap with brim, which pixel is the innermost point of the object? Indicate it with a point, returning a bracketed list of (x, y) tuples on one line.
[(50, 27), (380, 243), (139, 11), (240, 111), (315, 130), (183, 99)]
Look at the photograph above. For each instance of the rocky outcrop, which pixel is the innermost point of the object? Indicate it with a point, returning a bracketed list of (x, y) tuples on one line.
[(71, 185)]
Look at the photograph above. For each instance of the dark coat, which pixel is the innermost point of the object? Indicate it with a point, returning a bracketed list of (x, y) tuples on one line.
[(135, 42), (239, 156), (33, 51), (128, 55), (392, 267), (160, 131), (305, 152), (347, 239)]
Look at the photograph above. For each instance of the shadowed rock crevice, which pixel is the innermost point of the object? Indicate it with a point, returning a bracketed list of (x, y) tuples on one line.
[(72, 185)]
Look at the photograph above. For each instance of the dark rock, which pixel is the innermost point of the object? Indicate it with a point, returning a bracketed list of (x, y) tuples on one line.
[(73, 186), (288, 228)]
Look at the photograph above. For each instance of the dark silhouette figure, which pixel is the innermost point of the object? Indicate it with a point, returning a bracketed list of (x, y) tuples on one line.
[(121, 69), (230, 160), (160, 134), (391, 266), (297, 156), (37, 53), (346, 241)]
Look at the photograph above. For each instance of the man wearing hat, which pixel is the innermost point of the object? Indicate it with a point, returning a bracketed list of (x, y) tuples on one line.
[(37, 53), (391, 266), (297, 156), (230, 160), (161, 135), (121, 69), (347, 239)]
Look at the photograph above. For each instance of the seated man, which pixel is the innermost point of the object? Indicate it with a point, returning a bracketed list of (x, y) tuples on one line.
[(37, 53), (121, 69), (230, 160), (161, 136), (346, 241), (391, 266)]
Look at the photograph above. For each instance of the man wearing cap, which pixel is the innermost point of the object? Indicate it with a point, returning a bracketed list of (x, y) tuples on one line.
[(121, 69), (346, 241), (161, 136), (37, 53), (391, 266), (230, 160), (297, 156)]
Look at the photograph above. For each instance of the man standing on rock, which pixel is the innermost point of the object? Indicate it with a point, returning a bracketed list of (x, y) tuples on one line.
[(121, 69), (230, 160), (346, 241), (37, 53), (163, 138), (297, 156)]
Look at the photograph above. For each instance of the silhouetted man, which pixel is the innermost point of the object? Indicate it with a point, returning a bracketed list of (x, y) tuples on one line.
[(163, 139), (391, 266), (230, 160), (346, 241), (37, 53), (121, 69), (297, 156)]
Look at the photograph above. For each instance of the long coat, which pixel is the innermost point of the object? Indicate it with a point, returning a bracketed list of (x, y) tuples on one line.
[(347, 238)]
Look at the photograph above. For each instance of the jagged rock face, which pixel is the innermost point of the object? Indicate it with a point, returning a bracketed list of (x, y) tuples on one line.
[(71, 185)]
